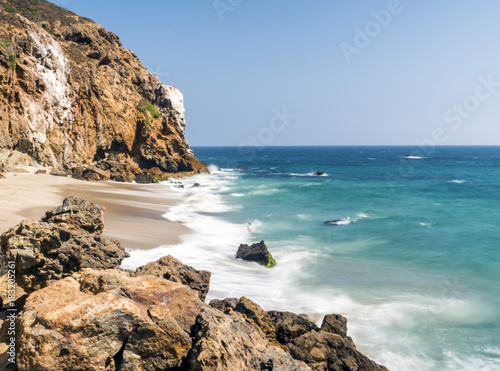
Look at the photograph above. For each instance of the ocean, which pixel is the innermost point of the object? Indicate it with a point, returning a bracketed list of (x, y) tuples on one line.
[(414, 263)]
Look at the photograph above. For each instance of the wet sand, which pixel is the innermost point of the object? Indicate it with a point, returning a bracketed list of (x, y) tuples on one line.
[(133, 211)]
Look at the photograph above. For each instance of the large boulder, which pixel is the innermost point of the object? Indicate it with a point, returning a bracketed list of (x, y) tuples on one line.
[(66, 240), (326, 348), (173, 270), (107, 320), (290, 325), (335, 323), (256, 252), (251, 312), (324, 351), (222, 342), (94, 173)]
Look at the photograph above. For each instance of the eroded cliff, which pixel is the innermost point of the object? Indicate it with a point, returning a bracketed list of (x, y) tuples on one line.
[(70, 94)]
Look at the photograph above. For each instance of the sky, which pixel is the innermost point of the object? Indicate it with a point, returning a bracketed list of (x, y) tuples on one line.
[(321, 72)]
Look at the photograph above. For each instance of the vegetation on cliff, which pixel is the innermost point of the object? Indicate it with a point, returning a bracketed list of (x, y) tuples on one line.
[(12, 61)]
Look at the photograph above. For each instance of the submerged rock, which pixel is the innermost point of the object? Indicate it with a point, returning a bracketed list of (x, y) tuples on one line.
[(257, 252), (173, 270)]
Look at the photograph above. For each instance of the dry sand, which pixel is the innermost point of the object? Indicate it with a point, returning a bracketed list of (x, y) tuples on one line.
[(133, 211)]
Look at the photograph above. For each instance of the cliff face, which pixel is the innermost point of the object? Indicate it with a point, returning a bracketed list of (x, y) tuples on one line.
[(71, 94)]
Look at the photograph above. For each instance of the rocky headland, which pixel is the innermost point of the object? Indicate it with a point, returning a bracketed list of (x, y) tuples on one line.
[(73, 99), (77, 310)]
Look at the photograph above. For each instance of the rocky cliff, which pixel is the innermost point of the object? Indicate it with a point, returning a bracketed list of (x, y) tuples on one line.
[(76, 310), (70, 94)]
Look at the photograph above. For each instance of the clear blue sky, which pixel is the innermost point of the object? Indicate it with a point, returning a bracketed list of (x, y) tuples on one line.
[(420, 75)]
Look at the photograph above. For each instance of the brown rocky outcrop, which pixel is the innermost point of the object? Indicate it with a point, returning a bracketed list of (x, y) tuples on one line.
[(71, 95), (222, 342), (323, 349), (79, 311), (66, 240), (107, 320), (172, 269), (251, 312), (290, 325)]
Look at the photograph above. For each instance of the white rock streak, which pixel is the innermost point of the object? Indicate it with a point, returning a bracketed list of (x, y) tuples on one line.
[(53, 69), (177, 101)]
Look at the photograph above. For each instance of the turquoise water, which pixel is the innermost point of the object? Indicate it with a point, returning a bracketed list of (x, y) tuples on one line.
[(414, 266)]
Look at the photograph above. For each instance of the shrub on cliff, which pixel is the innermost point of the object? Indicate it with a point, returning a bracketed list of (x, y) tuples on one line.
[(146, 106), (12, 61)]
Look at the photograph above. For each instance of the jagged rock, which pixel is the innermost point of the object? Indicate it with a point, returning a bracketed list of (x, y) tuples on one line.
[(144, 178), (335, 323), (290, 325), (328, 348), (8, 288), (250, 312), (76, 213), (173, 270), (96, 174), (257, 252), (121, 167), (222, 342), (3, 267), (106, 320), (66, 240), (324, 351), (78, 314), (76, 96), (59, 172)]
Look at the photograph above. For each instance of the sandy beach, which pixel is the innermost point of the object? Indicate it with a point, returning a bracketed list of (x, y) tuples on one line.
[(133, 211)]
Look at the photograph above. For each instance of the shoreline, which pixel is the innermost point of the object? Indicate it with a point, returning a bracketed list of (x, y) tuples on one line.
[(133, 212)]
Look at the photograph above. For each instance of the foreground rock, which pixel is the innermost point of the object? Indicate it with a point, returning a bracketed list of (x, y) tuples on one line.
[(107, 320), (226, 343), (326, 348), (66, 240), (172, 269), (257, 252), (79, 311)]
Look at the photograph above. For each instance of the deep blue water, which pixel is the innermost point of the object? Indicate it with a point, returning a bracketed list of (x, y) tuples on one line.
[(415, 266)]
